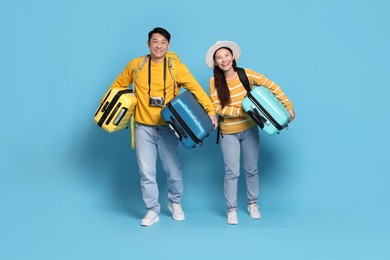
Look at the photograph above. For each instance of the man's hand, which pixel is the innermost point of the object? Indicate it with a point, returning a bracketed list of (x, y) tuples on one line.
[(214, 120)]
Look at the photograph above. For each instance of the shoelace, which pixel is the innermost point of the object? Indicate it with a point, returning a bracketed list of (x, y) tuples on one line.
[(232, 217), (231, 214), (177, 210), (253, 209), (150, 216)]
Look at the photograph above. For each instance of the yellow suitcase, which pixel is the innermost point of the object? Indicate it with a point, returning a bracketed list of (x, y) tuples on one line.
[(116, 109)]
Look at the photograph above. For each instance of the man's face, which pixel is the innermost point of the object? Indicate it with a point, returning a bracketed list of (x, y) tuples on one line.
[(158, 46)]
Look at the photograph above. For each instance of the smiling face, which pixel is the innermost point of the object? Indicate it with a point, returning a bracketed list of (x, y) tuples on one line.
[(158, 46), (223, 59)]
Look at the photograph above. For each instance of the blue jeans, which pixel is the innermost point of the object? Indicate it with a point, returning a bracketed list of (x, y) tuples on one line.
[(248, 142), (150, 140)]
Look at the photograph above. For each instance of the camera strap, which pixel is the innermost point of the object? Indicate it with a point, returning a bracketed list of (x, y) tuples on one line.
[(164, 76)]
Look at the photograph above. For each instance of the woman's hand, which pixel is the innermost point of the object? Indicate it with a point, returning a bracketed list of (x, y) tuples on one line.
[(292, 114)]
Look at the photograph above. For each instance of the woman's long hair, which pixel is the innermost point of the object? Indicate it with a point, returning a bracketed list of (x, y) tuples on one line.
[(220, 81)]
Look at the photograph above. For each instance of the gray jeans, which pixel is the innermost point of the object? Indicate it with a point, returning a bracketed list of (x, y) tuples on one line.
[(231, 145)]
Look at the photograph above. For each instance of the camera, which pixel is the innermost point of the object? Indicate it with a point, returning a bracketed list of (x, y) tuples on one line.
[(156, 101)]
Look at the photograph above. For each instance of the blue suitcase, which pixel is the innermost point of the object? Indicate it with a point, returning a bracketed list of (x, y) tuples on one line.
[(266, 110), (187, 119)]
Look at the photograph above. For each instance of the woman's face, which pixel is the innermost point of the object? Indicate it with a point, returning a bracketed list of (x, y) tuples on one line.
[(223, 59)]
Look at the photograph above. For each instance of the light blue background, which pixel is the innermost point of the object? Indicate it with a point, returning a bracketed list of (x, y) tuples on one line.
[(69, 190)]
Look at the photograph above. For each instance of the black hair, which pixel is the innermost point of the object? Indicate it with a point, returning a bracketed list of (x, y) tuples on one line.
[(220, 81), (161, 31)]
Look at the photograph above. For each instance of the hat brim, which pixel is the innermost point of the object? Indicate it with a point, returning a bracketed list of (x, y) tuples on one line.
[(231, 45)]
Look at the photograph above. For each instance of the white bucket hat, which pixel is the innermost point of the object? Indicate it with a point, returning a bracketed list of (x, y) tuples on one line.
[(219, 44)]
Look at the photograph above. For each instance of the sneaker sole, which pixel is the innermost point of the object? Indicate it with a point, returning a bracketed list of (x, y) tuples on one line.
[(156, 220), (232, 223)]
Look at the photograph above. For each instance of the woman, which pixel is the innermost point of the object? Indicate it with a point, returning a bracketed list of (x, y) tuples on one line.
[(238, 131)]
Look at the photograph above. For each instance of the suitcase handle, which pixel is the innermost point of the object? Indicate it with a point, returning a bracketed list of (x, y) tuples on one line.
[(120, 116), (103, 102), (181, 124), (268, 116), (259, 119), (176, 129)]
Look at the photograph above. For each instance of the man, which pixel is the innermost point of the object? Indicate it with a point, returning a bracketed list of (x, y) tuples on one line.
[(155, 87)]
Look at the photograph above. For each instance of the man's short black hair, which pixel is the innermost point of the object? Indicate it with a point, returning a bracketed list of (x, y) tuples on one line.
[(161, 31)]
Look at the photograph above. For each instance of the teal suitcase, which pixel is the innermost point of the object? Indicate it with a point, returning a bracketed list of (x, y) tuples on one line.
[(264, 107), (266, 110)]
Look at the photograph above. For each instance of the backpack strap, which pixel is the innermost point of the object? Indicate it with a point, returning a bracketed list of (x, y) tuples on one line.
[(132, 132), (219, 132), (172, 70), (136, 71), (244, 79)]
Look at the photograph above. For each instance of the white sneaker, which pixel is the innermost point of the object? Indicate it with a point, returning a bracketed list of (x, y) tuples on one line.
[(176, 210), (253, 210), (150, 218), (232, 218)]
